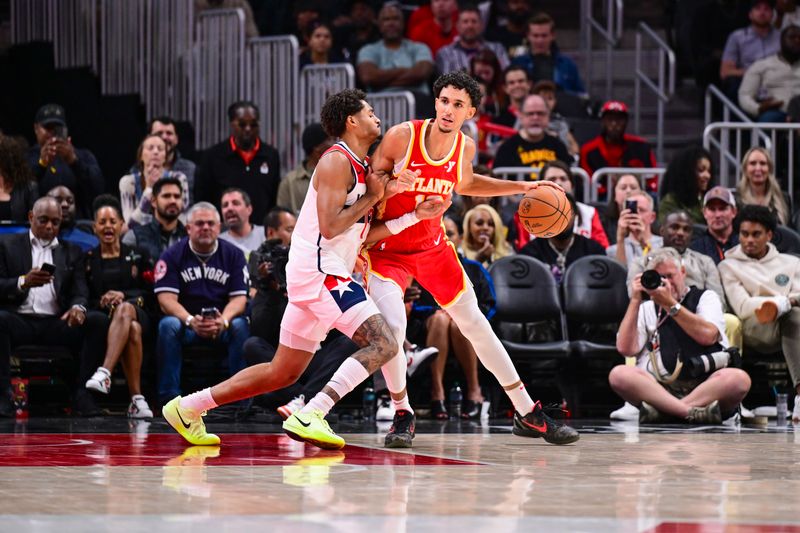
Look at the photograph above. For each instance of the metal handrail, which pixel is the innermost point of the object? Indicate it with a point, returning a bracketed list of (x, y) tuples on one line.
[(728, 107), (757, 133), (663, 89), (642, 173), (523, 173), (611, 33)]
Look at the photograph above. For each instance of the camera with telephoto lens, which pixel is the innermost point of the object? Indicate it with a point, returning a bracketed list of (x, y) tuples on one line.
[(703, 365), (651, 280), (274, 252)]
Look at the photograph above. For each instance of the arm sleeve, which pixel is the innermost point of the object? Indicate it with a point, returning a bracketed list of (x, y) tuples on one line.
[(748, 90), (369, 54), (421, 52), (8, 280), (709, 308), (742, 303), (713, 281), (167, 274), (239, 281), (731, 51), (80, 289)]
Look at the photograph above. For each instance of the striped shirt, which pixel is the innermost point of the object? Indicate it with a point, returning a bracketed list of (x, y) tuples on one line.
[(455, 57)]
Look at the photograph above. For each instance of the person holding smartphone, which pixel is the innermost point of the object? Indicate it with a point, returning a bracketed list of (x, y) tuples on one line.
[(635, 237), (44, 294), (55, 161)]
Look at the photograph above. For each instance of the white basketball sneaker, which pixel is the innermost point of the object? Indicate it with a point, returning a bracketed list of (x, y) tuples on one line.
[(626, 412), (139, 408), (100, 381)]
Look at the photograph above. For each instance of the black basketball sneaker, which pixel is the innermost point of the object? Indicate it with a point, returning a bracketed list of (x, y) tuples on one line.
[(538, 424), (402, 431)]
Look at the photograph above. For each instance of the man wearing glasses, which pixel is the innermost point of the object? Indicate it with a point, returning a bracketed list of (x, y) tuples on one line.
[(242, 161), (44, 294), (201, 284), (532, 146)]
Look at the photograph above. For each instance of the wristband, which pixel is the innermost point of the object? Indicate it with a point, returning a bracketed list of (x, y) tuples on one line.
[(397, 225)]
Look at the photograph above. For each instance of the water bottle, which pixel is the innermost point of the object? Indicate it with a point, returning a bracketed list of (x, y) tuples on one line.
[(782, 408), (456, 397), (368, 404)]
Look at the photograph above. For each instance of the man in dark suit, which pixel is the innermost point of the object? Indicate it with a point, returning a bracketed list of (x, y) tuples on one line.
[(38, 305)]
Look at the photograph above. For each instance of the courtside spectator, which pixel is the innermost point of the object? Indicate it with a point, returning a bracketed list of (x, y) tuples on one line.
[(68, 231), (55, 161), (18, 191), (763, 289), (532, 146), (165, 128), (517, 86), (615, 148), (719, 211), (40, 306), (244, 161), (395, 63), (136, 189), (470, 41), (484, 235), (677, 323), (689, 176), (120, 294), (759, 186), (564, 249), (440, 29), (201, 284), (166, 228), (771, 83), (294, 185), (747, 45), (236, 209), (543, 60), (621, 186), (635, 238), (321, 50)]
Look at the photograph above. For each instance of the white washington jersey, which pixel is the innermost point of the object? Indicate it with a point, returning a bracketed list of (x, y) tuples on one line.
[(311, 256)]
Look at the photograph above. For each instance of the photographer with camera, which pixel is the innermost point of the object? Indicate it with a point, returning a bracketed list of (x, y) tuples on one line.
[(683, 364)]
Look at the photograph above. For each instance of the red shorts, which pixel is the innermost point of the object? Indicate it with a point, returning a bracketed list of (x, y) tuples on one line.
[(438, 270)]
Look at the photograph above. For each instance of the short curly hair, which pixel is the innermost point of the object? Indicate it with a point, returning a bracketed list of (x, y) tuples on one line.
[(13, 167), (758, 214), (459, 80), (338, 107)]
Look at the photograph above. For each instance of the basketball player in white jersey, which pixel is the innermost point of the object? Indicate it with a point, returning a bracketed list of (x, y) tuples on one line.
[(443, 155), (333, 223)]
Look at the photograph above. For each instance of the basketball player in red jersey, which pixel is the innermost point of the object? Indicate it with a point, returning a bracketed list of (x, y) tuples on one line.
[(443, 155)]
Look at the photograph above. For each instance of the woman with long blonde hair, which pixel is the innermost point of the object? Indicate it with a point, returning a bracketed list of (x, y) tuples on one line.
[(758, 184), (484, 235)]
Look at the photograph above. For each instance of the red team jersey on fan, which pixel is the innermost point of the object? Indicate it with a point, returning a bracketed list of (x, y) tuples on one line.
[(437, 178)]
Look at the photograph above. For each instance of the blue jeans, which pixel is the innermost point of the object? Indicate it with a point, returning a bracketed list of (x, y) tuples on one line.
[(772, 115), (173, 336)]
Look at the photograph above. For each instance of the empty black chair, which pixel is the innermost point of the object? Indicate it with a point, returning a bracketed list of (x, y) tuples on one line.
[(595, 300), (786, 240), (528, 306)]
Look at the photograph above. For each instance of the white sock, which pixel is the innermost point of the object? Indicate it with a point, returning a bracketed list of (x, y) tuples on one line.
[(402, 405), (349, 375), (321, 401), (198, 401), (474, 326), (104, 370)]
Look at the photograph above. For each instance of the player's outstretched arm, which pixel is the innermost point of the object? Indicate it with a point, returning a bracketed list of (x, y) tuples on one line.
[(433, 207), (333, 178), (472, 184)]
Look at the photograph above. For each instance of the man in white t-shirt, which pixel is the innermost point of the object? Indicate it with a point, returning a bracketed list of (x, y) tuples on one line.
[(668, 334), (236, 211)]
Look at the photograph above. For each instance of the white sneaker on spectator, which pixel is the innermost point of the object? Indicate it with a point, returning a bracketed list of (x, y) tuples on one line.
[(746, 413), (295, 405), (626, 412), (385, 411), (796, 410), (100, 381), (139, 408), (416, 355)]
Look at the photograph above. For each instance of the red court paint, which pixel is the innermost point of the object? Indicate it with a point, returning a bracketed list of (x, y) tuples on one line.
[(114, 449)]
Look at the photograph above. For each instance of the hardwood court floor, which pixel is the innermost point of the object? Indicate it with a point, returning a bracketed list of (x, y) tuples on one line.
[(102, 475)]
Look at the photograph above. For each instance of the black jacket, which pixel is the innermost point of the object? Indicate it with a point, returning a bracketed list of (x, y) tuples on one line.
[(22, 199), (133, 265), (84, 178), (223, 168), (150, 239), (16, 261)]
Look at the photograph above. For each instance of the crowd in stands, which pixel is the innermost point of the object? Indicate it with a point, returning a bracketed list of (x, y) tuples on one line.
[(190, 252)]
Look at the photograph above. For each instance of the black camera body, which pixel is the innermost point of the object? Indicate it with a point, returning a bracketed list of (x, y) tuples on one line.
[(273, 251), (651, 280)]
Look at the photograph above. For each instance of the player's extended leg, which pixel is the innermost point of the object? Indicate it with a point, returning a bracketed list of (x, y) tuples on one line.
[(389, 298), (185, 414), (377, 345), (529, 419)]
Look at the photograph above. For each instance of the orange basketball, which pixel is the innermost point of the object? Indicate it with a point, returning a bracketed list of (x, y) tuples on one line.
[(545, 211)]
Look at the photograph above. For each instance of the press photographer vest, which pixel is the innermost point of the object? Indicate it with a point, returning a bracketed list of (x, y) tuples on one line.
[(675, 343)]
